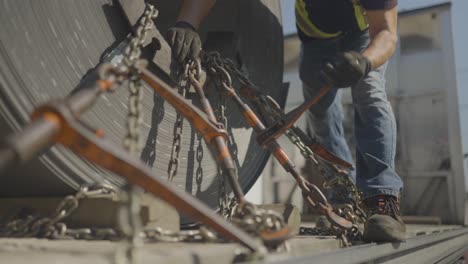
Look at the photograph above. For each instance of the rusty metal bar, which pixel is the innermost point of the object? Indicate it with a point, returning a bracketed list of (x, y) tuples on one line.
[(287, 120), (223, 156), (320, 150), (248, 91), (199, 120), (79, 138), (38, 135), (219, 146)]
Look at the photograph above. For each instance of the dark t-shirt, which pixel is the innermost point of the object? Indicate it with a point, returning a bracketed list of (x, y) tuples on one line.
[(334, 16)]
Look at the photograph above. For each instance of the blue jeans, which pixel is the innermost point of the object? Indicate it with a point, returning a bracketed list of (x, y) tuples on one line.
[(374, 124)]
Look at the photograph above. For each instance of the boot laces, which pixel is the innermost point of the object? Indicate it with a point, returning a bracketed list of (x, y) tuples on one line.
[(384, 205)]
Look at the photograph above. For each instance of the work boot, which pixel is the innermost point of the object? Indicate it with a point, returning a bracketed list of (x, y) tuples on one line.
[(384, 223)]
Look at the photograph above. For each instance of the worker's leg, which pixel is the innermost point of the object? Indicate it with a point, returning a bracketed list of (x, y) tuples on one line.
[(325, 119), (375, 131)]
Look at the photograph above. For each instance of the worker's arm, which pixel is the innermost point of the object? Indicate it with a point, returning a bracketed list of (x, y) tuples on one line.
[(350, 67), (383, 33), (194, 11), (183, 36)]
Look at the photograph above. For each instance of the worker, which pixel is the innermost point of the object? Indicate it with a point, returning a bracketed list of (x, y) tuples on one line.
[(348, 44)]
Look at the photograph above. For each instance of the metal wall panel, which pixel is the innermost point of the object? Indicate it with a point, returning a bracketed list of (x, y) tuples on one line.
[(460, 42), (426, 107), (423, 129), (408, 5)]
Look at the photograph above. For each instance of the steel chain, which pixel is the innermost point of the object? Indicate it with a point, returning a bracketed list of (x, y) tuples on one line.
[(255, 220), (335, 179), (202, 234), (132, 140), (223, 199), (184, 86), (247, 216), (132, 54), (52, 227)]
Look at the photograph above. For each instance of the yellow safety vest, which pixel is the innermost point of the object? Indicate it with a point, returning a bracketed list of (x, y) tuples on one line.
[(304, 23)]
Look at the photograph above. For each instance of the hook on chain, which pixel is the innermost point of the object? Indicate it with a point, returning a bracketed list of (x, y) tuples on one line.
[(315, 198)]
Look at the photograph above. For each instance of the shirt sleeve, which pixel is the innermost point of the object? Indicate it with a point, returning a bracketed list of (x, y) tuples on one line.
[(378, 4)]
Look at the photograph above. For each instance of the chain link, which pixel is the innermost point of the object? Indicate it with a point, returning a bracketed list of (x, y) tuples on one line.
[(203, 234), (132, 54), (223, 199), (132, 140), (52, 227), (335, 179), (184, 86), (255, 220)]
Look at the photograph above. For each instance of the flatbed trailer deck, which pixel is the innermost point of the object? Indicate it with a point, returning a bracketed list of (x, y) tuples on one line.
[(425, 244)]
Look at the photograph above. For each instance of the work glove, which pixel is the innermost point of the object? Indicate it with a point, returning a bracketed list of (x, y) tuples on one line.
[(184, 41), (346, 69)]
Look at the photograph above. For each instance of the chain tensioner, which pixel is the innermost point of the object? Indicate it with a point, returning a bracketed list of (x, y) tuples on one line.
[(261, 223), (342, 219)]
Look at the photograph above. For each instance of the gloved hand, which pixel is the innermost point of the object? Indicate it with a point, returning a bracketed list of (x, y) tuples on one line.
[(184, 41), (346, 69)]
